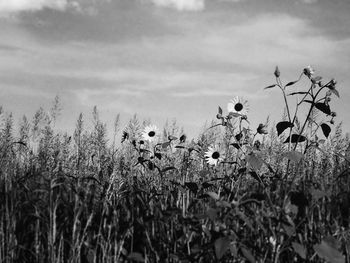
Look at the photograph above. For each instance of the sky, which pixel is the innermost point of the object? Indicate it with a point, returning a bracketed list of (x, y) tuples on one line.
[(168, 59)]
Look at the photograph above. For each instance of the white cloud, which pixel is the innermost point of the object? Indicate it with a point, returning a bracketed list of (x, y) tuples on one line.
[(8, 7), (309, 1), (182, 5)]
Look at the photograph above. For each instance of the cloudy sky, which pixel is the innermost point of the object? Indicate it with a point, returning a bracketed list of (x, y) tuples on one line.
[(165, 59)]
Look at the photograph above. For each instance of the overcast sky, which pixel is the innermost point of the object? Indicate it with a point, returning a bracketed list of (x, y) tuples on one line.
[(167, 58)]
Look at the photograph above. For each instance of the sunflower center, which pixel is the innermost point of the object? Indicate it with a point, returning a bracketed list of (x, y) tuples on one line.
[(151, 134), (215, 155), (238, 106)]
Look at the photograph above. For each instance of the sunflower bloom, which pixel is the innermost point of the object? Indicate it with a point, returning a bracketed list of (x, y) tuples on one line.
[(213, 156), (150, 133), (238, 105)]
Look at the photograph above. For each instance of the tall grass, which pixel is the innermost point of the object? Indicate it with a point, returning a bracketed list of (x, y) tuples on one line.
[(84, 198)]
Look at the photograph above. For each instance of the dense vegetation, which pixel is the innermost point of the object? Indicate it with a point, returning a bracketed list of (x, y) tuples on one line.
[(275, 193)]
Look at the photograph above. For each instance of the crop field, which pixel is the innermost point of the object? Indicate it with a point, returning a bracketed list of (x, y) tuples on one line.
[(276, 192)]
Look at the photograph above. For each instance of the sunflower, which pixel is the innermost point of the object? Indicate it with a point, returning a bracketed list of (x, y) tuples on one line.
[(213, 156), (150, 133), (238, 105)]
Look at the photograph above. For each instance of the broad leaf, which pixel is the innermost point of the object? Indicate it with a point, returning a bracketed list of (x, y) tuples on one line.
[(182, 138), (318, 194), (328, 251), (165, 145), (172, 138), (326, 129), (323, 107), (271, 86), (222, 244), (291, 83), (213, 195), (248, 255), (239, 136), (308, 101), (212, 214), (299, 93), (294, 156), (158, 155), (299, 249), (254, 161), (282, 126), (335, 92), (295, 138), (220, 110)]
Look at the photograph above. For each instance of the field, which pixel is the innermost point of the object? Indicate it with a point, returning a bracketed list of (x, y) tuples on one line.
[(279, 192)]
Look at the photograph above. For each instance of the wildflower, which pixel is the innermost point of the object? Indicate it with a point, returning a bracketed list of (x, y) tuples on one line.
[(262, 129), (213, 156), (309, 71), (273, 241), (125, 136), (238, 105), (257, 144), (150, 133), (332, 84)]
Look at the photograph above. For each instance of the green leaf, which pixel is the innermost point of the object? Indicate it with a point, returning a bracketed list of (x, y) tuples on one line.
[(291, 83), (183, 138), (172, 138), (323, 107), (239, 136), (222, 244), (213, 195), (327, 250), (299, 249), (282, 126), (165, 145), (254, 161), (158, 155), (235, 114), (136, 257), (308, 101), (248, 255), (326, 129), (212, 214), (294, 156), (318, 194), (299, 93), (336, 93), (220, 110), (295, 138), (271, 86)]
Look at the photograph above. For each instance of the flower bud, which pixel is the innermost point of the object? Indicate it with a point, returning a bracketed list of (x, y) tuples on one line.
[(309, 71), (277, 72), (262, 129), (332, 84)]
